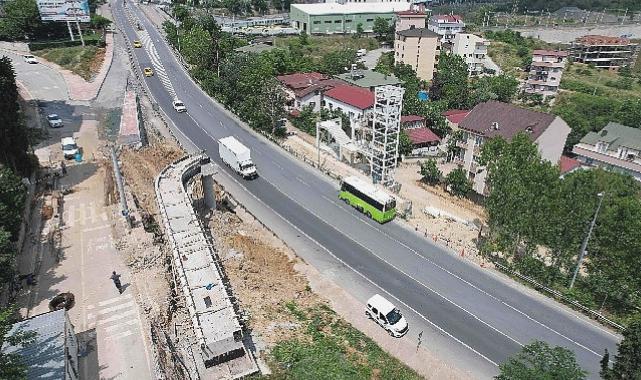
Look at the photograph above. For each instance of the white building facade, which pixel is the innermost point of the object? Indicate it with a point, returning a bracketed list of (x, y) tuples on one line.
[(473, 49)]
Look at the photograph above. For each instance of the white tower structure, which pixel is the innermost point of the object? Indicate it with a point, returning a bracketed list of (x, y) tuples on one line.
[(386, 126)]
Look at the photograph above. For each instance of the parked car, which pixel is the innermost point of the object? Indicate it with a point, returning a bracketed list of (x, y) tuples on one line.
[(54, 121), (179, 106), (361, 52), (30, 59), (387, 316), (137, 44), (148, 72), (69, 147)]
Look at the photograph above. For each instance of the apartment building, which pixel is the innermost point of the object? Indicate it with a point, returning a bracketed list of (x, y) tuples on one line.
[(473, 49), (495, 119), (545, 73), (446, 26), (604, 52), (616, 147), (409, 19), (419, 48)]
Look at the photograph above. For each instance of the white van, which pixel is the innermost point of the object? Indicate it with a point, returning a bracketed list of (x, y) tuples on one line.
[(385, 314), (69, 147)]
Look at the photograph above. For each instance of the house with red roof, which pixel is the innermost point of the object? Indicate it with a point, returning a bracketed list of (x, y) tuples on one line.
[(495, 119), (446, 26), (355, 102), (412, 121), (424, 141), (306, 89), (454, 117)]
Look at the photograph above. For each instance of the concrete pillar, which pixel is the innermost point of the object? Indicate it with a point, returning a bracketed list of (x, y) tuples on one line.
[(209, 194)]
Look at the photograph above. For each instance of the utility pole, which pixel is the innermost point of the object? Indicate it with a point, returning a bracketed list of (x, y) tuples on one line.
[(584, 245)]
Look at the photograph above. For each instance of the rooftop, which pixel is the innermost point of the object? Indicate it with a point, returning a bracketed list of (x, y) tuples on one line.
[(567, 164), (369, 189), (422, 135), (303, 84), (369, 79), (354, 96), (616, 135), (45, 356), (447, 18), (320, 9), (455, 116), (555, 53), (492, 119), (411, 118), (411, 13), (602, 40), (417, 32)]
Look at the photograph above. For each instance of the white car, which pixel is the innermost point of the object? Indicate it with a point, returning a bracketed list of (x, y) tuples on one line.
[(30, 59), (69, 147), (54, 121), (387, 316), (179, 106)]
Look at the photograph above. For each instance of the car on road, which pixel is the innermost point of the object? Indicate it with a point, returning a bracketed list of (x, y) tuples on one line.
[(69, 147), (54, 121), (30, 59), (387, 316), (137, 44), (179, 106), (148, 72)]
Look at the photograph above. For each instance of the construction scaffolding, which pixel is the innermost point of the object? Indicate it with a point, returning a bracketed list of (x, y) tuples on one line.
[(386, 126)]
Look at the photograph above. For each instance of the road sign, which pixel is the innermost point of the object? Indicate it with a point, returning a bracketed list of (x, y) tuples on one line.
[(61, 10)]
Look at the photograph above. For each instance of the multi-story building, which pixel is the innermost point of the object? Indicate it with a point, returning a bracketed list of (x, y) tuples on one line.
[(473, 49), (419, 48), (355, 102), (410, 18), (495, 119), (545, 73), (615, 147), (604, 52), (337, 18), (446, 26), (306, 89)]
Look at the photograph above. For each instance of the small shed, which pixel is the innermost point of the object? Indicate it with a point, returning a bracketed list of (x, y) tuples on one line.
[(424, 141)]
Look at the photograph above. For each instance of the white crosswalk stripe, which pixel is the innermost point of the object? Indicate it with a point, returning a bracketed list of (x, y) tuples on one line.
[(114, 318), (83, 214), (159, 68)]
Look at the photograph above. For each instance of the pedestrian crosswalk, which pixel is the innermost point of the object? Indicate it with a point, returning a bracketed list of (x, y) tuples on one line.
[(90, 214), (159, 68), (115, 318)]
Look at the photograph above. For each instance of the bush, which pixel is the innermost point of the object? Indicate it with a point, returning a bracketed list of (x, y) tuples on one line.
[(458, 184), (34, 46)]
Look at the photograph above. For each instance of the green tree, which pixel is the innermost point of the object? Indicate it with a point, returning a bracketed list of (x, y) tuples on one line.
[(335, 62), (306, 120), (457, 183), (385, 63), (450, 83), (430, 173), (260, 6), (626, 363), (404, 144), (196, 46), (11, 364), (21, 20), (99, 22), (359, 30), (502, 88), (539, 361), (382, 29)]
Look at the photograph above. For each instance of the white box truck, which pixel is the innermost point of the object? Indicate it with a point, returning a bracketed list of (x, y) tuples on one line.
[(237, 156)]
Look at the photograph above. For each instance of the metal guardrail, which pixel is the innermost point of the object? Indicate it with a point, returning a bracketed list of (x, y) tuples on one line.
[(537, 285)]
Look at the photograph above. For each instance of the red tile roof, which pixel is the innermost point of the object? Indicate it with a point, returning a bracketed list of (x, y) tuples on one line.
[(411, 118), (447, 18), (567, 164), (358, 97), (494, 118), (554, 53), (303, 84), (602, 40), (422, 135), (411, 13), (455, 116)]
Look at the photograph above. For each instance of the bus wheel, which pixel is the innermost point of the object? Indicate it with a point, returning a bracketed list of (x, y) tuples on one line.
[(368, 214)]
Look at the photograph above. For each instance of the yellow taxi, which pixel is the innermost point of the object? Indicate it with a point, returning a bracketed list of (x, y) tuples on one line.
[(148, 72), (137, 44)]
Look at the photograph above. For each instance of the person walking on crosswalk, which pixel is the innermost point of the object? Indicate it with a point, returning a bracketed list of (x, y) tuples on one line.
[(116, 279)]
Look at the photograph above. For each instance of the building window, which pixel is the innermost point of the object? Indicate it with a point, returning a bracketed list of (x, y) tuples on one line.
[(370, 19), (328, 21), (601, 147), (316, 22), (337, 21), (346, 21)]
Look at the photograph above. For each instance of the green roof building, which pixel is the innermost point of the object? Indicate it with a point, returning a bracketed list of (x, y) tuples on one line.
[(369, 79), (336, 18)]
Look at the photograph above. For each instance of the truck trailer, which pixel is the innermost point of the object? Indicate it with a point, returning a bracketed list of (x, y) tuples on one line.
[(237, 156)]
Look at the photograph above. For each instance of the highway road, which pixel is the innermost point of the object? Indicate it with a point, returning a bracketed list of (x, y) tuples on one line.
[(474, 314)]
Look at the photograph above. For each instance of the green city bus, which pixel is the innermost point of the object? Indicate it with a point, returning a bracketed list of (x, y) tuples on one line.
[(368, 199)]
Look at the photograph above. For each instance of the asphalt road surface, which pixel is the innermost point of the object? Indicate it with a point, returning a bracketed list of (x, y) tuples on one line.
[(483, 316)]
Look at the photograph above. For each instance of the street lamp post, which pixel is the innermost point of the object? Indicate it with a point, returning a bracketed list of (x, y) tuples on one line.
[(584, 245)]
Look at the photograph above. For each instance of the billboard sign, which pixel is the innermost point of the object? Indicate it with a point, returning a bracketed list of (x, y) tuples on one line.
[(61, 10)]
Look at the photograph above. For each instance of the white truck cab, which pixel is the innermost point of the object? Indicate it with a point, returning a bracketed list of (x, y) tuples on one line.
[(387, 316)]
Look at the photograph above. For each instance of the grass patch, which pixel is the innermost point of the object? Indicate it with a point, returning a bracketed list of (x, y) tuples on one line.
[(84, 61), (506, 57), (583, 78), (330, 348), (319, 46)]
